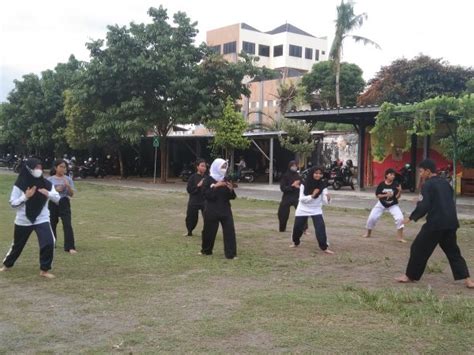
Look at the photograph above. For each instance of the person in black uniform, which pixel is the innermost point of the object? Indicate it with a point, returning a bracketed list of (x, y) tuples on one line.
[(290, 186), (196, 197), (217, 193), (436, 202)]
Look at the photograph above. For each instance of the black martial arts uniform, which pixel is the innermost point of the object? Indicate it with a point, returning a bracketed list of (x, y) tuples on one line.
[(217, 209), (195, 203), (289, 198), (440, 228)]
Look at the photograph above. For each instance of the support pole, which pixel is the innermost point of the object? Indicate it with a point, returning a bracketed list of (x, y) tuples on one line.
[(154, 168), (361, 157), (426, 147), (413, 162), (270, 175)]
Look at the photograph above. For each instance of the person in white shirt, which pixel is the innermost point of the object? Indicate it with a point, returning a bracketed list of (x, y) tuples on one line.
[(64, 185), (313, 193), (29, 197)]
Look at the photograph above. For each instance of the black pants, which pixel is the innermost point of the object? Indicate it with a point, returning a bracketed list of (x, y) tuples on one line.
[(319, 227), (63, 211), (424, 245), (192, 214), (45, 239), (284, 210), (211, 225)]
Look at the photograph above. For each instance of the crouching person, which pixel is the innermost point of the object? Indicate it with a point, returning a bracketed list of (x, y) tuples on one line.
[(30, 196)]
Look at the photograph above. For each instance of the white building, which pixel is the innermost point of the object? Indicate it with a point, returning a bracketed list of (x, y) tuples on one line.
[(285, 47)]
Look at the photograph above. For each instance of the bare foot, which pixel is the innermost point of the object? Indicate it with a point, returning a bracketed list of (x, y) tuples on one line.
[(47, 275), (327, 251), (72, 251), (469, 283), (306, 232), (4, 269), (403, 279), (402, 240), (293, 245), (366, 235)]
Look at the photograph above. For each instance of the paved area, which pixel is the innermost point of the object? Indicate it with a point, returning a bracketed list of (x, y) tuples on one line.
[(342, 198)]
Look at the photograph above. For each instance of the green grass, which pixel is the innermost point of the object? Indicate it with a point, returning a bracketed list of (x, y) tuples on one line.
[(137, 285)]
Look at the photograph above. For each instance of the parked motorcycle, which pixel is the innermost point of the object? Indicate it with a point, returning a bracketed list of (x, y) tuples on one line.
[(91, 168), (8, 161), (446, 173), (186, 172), (405, 178), (247, 175), (344, 176)]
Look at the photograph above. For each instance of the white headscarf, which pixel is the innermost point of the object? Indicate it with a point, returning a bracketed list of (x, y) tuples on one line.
[(215, 170)]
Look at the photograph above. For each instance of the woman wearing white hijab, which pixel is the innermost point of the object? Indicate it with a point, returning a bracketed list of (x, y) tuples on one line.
[(218, 193)]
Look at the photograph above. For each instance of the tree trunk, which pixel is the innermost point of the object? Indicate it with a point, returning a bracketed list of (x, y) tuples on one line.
[(163, 159), (232, 165), (338, 73), (122, 167)]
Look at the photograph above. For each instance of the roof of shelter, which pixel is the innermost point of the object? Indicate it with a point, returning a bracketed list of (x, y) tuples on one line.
[(350, 115)]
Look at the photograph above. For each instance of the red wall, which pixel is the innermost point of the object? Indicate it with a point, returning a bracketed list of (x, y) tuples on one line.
[(378, 169)]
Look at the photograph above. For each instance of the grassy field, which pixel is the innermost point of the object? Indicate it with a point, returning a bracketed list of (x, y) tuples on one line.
[(137, 285)]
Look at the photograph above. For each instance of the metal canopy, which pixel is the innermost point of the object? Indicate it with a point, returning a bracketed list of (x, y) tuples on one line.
[(357, 115)]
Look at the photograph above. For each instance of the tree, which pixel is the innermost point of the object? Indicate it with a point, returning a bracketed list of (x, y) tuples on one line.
[(24, 123), (298, 138), (33, 117), (346, 22), (228, 131), (415, 80), (321, 80)]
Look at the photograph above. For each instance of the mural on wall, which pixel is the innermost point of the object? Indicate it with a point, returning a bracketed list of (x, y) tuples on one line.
[(338, 146)]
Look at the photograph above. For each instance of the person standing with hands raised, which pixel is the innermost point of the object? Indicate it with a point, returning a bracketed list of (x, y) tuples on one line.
[(65, 186), (196, 196), (29, 197), (217, 193)]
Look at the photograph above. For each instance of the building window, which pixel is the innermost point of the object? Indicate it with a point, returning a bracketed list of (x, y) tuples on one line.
[(248, 47), (308, 53), (278, 50), (316, 55), (253, 104), (230, 47), (296, 51), (270, 103), (323, 52), (263, 51), (216, 49)]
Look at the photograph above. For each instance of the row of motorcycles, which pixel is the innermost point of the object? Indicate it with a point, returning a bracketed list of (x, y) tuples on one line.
[(339, 175)]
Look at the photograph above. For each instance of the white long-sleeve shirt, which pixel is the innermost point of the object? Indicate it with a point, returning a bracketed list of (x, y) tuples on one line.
[(309, 206), (18, 201)]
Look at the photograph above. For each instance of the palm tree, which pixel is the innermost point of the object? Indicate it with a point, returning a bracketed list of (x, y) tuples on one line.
[(346, 22)]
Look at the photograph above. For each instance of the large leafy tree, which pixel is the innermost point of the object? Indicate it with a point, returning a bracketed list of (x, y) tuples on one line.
[(33, 118), (152, 77), (24, 120), (320, 81), (415, 80), (346, 22)]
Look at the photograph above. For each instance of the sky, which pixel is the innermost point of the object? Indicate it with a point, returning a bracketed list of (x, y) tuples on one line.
[(36, 35)]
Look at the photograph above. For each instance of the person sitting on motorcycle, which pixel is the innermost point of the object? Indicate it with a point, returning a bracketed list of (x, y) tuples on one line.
[(241, 166), (388, 192)]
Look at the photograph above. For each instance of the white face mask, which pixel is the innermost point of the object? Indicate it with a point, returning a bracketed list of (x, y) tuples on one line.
[(37, 173), (223, 171), (293, 168)]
